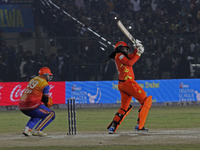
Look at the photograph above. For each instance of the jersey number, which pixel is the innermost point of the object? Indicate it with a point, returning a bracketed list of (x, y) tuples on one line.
[(32, 84)]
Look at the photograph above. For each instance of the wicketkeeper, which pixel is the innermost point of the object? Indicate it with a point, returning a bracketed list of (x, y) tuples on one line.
[(35, 103), (128, 87)]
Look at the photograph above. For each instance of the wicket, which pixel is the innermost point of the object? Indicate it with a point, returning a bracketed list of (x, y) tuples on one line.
[(71, 115)]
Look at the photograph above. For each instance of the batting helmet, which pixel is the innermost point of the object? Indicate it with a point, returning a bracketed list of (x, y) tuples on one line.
[(120, 44), (45, 71)]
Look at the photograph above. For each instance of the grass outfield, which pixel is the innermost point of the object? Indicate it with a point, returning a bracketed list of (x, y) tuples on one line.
[(96, 120)]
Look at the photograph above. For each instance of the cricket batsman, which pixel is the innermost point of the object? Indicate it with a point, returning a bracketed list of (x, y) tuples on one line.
[(35, 103), (128, 87)]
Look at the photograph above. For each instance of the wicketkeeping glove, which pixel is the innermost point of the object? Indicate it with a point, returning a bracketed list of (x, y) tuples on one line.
[(49, 103)]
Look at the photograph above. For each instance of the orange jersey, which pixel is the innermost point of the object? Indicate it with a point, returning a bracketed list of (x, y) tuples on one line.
[(124, 65), (32, 95)]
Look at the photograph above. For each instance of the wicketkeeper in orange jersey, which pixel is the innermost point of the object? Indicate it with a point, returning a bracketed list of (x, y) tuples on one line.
[(35, 103), (128, 87)]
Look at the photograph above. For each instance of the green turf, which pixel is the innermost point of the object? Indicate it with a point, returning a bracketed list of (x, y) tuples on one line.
[(159, 117), (97, 119)]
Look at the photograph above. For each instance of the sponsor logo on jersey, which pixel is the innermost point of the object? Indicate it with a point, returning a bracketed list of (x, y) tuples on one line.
[(121, 57)]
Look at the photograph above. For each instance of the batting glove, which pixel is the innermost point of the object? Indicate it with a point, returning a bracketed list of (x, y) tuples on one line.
[(140, 50), (137, 43)]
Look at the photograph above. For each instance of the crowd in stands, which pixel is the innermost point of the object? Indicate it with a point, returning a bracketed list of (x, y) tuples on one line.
[(168, 29)]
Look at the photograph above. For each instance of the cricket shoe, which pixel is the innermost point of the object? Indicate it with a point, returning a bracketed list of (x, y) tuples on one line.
[(26, 131), (111, 130), (38, 133), (141, 130)]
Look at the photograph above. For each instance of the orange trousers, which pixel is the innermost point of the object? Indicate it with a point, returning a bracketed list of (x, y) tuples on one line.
[(129, 89)]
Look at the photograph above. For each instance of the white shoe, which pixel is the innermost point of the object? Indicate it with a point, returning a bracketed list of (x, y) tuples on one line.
[(38, 133), (26, 131)]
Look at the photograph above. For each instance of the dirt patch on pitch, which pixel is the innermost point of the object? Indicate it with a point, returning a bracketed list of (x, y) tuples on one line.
[(157, 137)]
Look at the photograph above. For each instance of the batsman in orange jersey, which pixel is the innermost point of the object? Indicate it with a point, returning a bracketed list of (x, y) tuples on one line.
[(128, 87), (35, 103)]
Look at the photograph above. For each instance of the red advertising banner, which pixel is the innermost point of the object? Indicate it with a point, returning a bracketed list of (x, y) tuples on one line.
[(10, 92)]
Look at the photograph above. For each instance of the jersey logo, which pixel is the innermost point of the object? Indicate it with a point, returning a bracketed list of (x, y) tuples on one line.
[(121, 57)]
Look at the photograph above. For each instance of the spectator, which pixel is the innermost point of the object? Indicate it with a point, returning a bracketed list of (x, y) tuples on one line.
[(183, 71), (162, 24), (3, 70), (165, 66), (79, 4), (136, 5)]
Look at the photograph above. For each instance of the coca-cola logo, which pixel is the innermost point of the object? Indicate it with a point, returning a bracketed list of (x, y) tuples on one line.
[(51, 87), (16, 93), (1, 87)]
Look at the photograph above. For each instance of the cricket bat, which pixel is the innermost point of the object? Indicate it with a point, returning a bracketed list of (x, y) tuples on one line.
[(125, 31)]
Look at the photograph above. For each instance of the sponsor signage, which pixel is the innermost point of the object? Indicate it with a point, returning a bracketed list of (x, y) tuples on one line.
[(85, 92), (10, 92), (16, 1), (16, 18), (174, 90)]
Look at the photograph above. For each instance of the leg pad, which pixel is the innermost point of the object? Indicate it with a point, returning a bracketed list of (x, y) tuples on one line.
[(144, 110), (119, 117)]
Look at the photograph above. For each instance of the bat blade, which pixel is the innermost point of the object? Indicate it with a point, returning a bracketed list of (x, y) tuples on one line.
[(125, 31)]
